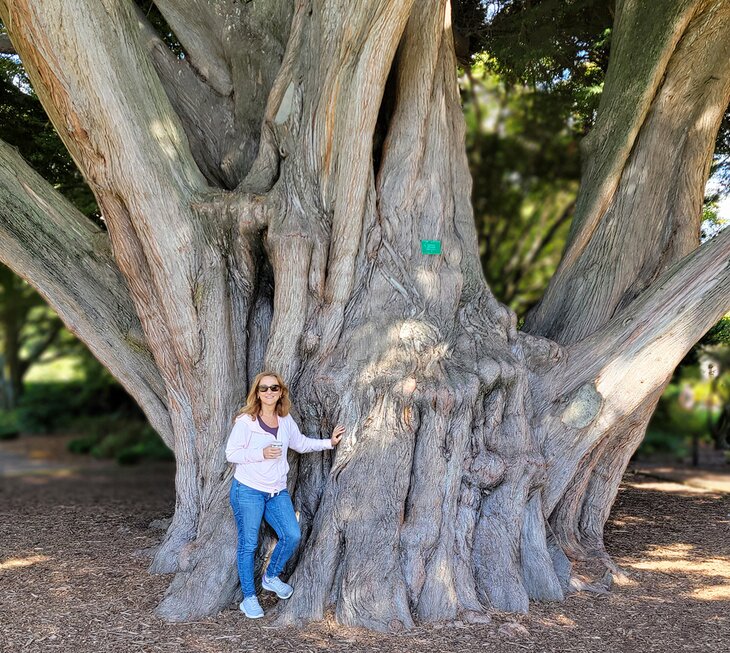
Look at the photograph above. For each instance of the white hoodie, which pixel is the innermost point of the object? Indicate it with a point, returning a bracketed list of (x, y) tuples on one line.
[(246, 445)]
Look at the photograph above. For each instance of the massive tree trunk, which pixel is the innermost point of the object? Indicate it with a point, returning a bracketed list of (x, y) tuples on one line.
[(266, 197)]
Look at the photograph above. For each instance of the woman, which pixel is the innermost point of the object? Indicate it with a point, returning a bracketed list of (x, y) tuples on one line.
[(258, 443)]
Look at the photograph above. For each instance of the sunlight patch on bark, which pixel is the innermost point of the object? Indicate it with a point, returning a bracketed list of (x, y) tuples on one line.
[(167, 137)]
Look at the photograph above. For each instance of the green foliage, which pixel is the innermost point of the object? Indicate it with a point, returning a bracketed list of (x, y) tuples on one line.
[(529, 98), (719, 334), (47, 407), (150, 448), (689, 422), (664, 443), (83, 444), (127, 441), (9, 425), (522, 145), (712, 221), (672, 426), (30, 333), (556, 45)]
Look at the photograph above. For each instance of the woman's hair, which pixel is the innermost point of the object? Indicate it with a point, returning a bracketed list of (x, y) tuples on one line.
[(253, 403)]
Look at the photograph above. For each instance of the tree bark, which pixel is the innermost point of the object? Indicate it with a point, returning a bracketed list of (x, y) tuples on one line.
[(640, 202), (638, 211), (67, 260), (476, 455)]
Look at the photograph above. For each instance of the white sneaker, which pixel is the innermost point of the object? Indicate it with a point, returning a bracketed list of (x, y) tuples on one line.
[(278, 586), (251, 608)]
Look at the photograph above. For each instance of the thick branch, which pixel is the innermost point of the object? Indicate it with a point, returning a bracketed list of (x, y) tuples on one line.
[(638, 73), (328, 184), (197, 26), (66, 258), (607, 376), (130, 146), (6, 47), (237, 49), (352, 160), (649, 210), (660, 326), (206, 115), (282, 111)]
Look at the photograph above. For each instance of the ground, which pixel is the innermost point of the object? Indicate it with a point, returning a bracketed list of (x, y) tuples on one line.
[(76, 534)]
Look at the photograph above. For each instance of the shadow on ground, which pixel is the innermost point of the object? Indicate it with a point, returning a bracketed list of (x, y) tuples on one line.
[(76, 538)]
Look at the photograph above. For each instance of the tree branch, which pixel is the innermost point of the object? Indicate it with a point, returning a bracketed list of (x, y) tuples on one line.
[(281, 111), (347, 161), (41, 346), (638, 74), (234, 45), (67, 260), (206, 115), (661, 326), (326, 187), (6, 46), (639, 207), (603, 379), (198, 27), (131, 148)]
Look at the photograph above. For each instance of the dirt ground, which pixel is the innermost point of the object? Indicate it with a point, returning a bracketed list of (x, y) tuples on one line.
[(73, 574)]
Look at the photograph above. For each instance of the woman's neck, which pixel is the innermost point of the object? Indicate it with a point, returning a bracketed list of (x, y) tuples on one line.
[(267, 412)]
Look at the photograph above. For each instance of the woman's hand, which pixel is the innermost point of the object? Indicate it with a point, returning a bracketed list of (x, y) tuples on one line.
[(337, 435), (272, 452)]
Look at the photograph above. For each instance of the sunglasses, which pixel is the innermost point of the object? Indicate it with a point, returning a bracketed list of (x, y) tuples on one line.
[(273, 388)]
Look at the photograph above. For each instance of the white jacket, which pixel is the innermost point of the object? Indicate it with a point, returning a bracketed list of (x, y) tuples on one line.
[(246, 445)]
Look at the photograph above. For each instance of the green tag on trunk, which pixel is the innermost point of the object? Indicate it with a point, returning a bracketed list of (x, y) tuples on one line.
[(430, 247)]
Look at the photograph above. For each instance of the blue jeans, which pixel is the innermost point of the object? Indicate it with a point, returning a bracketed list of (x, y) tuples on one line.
[(249, 506)]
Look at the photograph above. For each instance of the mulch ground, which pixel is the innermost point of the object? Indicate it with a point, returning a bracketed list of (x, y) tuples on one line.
[(73, 575)]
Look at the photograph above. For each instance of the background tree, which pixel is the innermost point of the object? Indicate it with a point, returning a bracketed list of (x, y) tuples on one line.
[(529, 102), (28, 329), (266, 194), (523, 154)]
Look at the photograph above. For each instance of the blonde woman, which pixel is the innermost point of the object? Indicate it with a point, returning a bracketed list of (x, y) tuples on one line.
[(261, 435)]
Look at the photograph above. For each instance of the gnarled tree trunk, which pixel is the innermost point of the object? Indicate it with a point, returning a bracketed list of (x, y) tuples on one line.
[(266, 197)]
